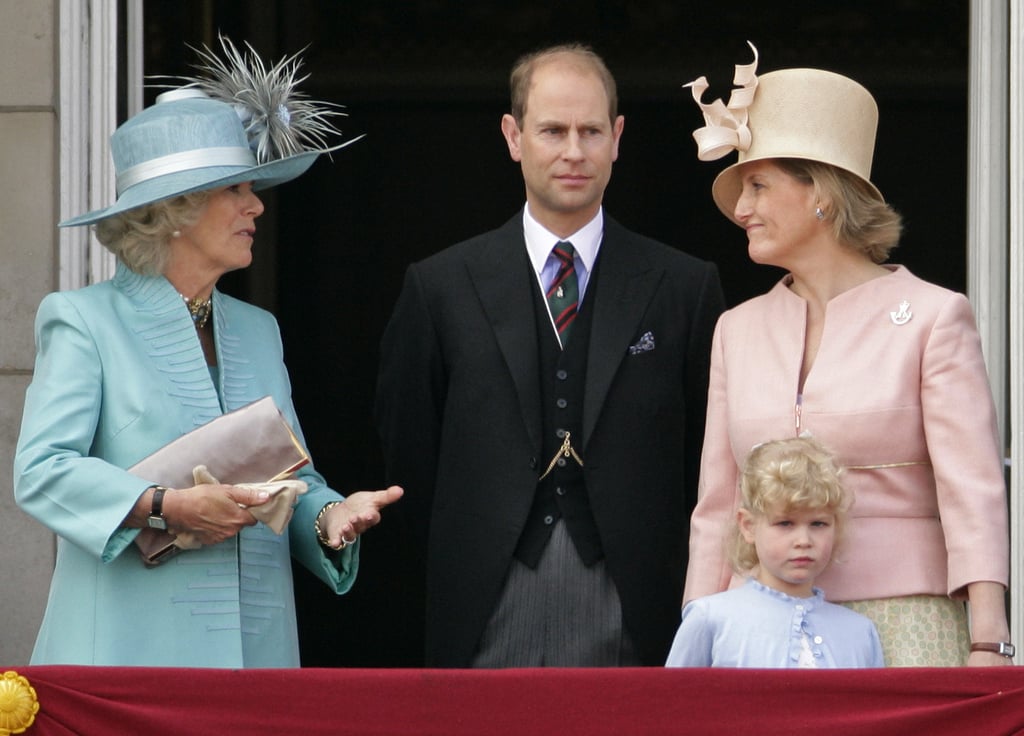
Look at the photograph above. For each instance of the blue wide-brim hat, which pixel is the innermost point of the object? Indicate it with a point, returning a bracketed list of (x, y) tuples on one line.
[(186, 142)]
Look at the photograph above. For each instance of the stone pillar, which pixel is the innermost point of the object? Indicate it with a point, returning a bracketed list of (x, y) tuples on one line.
[(29, 52)]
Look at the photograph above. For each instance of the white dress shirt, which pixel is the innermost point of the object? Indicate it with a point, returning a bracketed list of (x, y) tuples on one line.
[(540, 241)]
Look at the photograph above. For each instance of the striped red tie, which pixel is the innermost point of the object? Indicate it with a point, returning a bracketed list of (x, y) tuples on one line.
[(564, 292)]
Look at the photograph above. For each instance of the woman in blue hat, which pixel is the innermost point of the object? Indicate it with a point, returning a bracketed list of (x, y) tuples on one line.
[(126, 366)]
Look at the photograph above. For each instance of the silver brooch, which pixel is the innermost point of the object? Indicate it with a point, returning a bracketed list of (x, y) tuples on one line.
[(902, 315)]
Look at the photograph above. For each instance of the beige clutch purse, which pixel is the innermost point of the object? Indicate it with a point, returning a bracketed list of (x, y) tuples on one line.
[(253, 444)]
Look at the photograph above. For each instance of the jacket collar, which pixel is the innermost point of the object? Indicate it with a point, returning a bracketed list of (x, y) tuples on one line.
[(173, 345)]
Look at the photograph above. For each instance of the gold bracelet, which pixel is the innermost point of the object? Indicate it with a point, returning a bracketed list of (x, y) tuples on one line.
[(320, 532)]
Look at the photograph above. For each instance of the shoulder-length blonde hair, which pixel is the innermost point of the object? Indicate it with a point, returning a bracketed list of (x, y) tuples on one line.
[(859, 220), (790, 474), (140, 238)]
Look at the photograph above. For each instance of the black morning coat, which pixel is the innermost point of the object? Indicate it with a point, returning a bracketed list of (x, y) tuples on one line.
[(459, 413)]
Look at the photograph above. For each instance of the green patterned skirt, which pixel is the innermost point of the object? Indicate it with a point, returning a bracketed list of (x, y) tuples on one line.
[(919, 630)]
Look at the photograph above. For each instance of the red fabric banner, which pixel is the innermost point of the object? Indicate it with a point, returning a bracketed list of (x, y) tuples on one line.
[(524, 702)]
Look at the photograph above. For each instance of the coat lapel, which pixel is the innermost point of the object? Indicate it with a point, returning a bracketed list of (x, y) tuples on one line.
[(500, 272), (624, 288)]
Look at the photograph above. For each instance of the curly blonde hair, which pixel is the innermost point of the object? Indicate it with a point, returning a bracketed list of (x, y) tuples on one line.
[(792, 474), (140, 238)]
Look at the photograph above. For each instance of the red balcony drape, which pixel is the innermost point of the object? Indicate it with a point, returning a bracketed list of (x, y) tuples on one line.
[(524, 702)]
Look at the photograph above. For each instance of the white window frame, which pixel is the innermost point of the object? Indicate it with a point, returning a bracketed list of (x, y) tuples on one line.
[(1015, 198), (88, 115), (995, 212)]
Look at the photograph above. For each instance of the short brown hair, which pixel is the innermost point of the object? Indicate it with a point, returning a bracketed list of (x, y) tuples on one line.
[(140, 237), (580, 55), (859, 219)]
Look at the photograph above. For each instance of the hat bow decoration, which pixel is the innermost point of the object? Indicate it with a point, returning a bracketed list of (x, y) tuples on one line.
[(806, 114), (726, 124)]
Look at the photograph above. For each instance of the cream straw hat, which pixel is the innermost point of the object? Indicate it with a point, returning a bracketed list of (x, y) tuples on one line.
[(807, 114)]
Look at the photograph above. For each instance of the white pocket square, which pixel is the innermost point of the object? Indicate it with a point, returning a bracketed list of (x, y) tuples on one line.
[(644, 345)]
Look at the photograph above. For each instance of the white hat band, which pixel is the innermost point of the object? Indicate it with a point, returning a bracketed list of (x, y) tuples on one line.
[(184, 161)]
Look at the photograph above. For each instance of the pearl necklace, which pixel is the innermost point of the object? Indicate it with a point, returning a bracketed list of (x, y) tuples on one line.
[(200, 309)]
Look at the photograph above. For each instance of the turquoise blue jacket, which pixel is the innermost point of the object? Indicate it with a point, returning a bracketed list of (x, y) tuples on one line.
[(119, 373)]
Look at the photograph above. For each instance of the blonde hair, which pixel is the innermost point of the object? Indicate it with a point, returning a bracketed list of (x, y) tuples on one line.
[(140, 238), (859, 220), (788, 475)]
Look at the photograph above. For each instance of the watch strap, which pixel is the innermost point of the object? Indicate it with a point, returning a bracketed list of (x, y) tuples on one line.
[(158, 501), (1003, 648), (156, 514)]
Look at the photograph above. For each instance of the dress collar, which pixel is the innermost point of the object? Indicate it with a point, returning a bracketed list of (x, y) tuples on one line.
[(816, 599)]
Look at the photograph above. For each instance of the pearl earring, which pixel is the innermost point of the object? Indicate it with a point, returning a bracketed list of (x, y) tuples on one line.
[(177, 233), (819, 213)]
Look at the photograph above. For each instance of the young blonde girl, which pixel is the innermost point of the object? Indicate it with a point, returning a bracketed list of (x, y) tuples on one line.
[(792, 510)]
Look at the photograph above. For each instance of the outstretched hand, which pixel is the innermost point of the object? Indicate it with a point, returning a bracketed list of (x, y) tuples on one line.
[(359, 512)]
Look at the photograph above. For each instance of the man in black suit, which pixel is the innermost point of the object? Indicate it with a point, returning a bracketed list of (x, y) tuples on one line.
[(545, 407)]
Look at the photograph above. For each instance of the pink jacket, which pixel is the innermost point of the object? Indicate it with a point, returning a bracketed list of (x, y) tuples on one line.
[(900, 393)]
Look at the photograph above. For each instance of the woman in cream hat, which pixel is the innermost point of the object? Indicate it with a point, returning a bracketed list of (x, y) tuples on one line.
[(879, 365), (126, 366)]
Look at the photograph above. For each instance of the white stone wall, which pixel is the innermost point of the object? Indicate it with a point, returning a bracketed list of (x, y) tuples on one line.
[(29, 41)]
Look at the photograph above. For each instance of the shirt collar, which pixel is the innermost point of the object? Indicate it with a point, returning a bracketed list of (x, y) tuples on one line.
[(539, 240)]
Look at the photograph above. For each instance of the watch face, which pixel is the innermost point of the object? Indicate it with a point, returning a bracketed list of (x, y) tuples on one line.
[(156, 522)]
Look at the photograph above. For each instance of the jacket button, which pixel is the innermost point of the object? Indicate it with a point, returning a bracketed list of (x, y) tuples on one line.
[(560, 491), (561, 374), (533, 463), (549, 519), (562, 403)]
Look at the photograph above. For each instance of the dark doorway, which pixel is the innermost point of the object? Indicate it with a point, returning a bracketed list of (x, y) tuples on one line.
[(426, 81)]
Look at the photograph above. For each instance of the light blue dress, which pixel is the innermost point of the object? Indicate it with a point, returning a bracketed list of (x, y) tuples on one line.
[(757, 626), (119, 373)]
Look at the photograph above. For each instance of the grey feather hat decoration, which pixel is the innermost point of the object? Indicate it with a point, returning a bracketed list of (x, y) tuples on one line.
[(279, 119)]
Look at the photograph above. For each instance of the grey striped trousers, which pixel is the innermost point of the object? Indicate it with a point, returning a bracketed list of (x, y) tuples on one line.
[(563, 614)]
